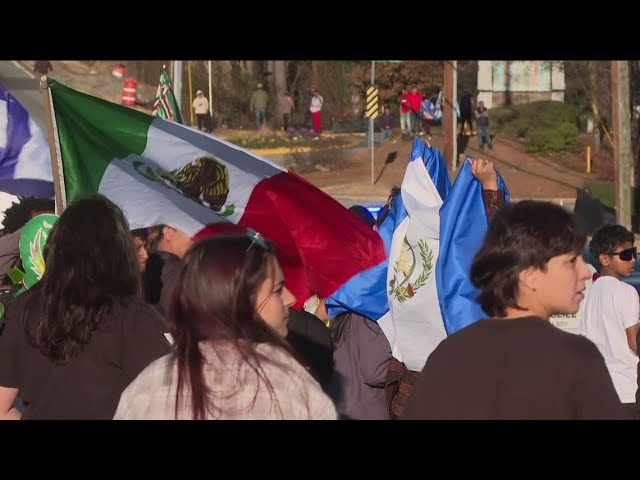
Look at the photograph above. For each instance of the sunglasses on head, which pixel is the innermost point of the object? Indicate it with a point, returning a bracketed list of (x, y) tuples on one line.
[(626, 255)]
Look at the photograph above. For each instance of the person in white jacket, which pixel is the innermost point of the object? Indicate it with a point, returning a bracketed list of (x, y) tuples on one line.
[(315, 108), (201, 109)]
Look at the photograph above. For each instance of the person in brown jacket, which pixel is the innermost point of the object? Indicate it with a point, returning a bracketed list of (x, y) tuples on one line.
[(515, 364)]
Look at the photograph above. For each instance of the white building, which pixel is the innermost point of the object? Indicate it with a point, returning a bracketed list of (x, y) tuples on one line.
[(524, 82)]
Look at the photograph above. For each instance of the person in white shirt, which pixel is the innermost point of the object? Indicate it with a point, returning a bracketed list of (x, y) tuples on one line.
[(201, 109), (612, 308), (315, 108)]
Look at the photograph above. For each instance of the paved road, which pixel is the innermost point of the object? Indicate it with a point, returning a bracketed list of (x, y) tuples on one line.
[(26, 89)]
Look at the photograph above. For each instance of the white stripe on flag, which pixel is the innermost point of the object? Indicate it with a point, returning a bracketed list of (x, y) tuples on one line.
[(172, 146), (417, 319), (146, 203), (34, 160), (4, 123)]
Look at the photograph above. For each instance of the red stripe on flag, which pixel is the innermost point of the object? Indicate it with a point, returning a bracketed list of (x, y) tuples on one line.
[(320, 244), (167, 109)]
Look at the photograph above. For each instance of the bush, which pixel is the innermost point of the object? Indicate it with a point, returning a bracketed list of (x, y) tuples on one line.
[(502, 116), (292, 138), (548, 127), (562, 138), (519, 128)]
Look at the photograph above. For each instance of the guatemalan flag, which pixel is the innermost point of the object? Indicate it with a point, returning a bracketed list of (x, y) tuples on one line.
[(25, 161), (422, 292), (161, 172)]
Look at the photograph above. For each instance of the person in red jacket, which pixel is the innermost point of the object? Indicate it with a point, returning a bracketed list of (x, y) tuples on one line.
[(414, 99)]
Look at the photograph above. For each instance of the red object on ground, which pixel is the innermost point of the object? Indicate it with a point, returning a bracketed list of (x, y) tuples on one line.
[(129, 92)]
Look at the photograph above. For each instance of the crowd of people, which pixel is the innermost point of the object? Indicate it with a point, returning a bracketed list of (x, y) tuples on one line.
[(112, 323)]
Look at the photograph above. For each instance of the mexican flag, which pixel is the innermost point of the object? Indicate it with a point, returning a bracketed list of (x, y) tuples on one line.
[(161, 172), (166, 105)]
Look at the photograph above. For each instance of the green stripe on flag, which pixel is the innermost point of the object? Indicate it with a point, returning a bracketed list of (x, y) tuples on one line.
[(92, 132)]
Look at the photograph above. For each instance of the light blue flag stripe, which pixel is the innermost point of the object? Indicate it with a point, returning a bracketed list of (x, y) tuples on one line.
[(463, 224)]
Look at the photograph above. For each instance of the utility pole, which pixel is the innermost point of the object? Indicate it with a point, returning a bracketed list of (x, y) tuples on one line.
[(623, 157), (371, 120), (177, 82), (210, 95), (449, 118)]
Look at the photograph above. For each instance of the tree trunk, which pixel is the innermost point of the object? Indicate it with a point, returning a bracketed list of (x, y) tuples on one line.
[(315, 73), (280, 76), (280, 85), (507, 89), (267, 75)]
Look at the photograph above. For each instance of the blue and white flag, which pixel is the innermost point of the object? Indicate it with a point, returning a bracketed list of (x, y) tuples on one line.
[(423, 292), (366, 293), (25, 161), (463, 224)]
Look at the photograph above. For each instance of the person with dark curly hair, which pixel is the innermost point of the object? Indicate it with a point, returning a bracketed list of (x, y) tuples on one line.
[(15, 217)]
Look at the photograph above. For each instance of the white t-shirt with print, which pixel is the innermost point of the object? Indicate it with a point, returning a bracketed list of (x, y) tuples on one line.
[(611, 306)]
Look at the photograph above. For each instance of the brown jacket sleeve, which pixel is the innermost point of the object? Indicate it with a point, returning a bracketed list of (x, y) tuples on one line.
[(493, 202)]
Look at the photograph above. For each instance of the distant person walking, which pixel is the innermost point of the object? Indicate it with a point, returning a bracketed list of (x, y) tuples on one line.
[(482, 119), (43, 67), (201, 109), (314, 108), (405, 112), (286, 108), (259, 101)]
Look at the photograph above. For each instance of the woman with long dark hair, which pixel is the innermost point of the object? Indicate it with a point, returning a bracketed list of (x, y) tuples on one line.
[(231, 360), (72, 343)]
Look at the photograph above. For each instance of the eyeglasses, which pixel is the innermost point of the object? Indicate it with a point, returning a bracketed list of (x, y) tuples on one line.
[(626, 255)]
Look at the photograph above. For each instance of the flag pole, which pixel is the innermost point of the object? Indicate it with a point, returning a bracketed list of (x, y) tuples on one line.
[(56, 159), (190, 96), (210, 99)]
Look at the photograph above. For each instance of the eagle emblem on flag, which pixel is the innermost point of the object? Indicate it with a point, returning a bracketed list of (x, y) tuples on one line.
[(205, 181)]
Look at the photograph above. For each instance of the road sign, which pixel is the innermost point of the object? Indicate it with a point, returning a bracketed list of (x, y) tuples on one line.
[(372, 110)]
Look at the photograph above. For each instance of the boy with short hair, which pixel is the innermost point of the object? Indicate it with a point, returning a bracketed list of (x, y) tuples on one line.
[(612, 308)]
